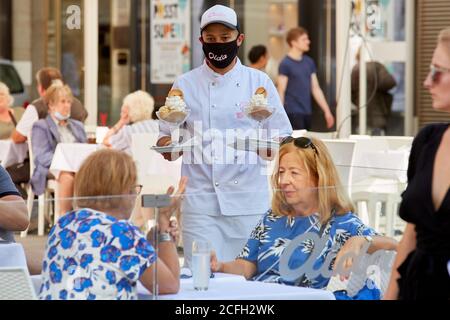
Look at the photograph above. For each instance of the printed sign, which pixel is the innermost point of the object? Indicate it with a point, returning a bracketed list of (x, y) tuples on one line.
[(170, 23)]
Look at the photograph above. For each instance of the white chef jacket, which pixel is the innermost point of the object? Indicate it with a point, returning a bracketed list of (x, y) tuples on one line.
[(222, 180)]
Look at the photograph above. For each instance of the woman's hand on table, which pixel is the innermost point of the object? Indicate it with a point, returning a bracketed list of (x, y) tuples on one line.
[(354, 246), (216, 265)]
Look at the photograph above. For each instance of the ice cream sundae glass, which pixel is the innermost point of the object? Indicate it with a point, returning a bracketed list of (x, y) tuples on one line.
[(174, 113)]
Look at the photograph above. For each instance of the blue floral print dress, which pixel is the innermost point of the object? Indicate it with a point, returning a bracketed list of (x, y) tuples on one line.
[(274, 232), (93, 256)]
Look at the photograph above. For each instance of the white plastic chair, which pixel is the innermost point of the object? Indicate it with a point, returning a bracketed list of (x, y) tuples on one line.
[(299, 133), (100, 133), (396, 143), (342, 152), (43, 200), (15, 283), (154, 172), (371, 213), (322, 135), (12, 255)]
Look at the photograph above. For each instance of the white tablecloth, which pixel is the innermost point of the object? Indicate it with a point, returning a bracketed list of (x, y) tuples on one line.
[(69, 157), (12, 153), (232, 287)]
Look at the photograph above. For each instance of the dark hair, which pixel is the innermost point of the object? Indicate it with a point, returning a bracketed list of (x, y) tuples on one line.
[(256, 52), (294, 34), (46, 76)]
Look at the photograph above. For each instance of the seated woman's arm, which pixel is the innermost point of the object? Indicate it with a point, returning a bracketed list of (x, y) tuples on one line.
[(354, 245), (405, 247), (123, 121), (13, 213), (382, 243), (239, 266), (111, 132), (42, 149), (168, 270)]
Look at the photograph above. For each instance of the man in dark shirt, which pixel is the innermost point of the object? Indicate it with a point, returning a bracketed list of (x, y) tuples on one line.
[(297, 80), (13, 211)]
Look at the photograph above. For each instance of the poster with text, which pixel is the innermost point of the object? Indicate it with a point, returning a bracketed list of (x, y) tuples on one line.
[(170, 23)]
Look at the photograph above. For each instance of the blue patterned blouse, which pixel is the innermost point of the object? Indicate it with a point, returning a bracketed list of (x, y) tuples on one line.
[(273, 234), (91, 255)]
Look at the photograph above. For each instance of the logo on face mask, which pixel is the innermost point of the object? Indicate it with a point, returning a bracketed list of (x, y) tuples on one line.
[(221, 55), (216, 57)]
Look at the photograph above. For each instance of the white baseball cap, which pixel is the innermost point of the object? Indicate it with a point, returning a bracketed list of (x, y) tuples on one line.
[(219, 14)]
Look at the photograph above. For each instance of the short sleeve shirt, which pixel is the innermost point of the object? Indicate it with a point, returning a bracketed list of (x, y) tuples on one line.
[(298, 91), (7, 188), (93, 256), (29, 117), (274, 233)]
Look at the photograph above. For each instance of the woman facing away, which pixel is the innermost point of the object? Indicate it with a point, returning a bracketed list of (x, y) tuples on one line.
[(422, 266), (308, 199), (8, 116), (135, 117), (94, 252)]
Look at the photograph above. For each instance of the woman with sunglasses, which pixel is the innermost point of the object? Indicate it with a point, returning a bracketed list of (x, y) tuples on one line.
[(420, 270), (308, 199)]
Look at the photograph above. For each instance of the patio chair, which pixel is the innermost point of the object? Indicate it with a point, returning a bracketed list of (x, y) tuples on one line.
[(15, 284), (43, 200)]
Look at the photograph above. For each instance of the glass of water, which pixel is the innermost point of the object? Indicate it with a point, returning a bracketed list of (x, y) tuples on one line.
[(201, 270)]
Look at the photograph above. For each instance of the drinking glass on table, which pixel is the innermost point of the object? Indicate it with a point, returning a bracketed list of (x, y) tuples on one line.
[(201, 270), (91, 138)]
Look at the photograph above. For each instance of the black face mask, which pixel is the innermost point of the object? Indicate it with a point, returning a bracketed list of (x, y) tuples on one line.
[(221, 55)]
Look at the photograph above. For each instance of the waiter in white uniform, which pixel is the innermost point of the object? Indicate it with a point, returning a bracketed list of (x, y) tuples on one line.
[(227, 191)]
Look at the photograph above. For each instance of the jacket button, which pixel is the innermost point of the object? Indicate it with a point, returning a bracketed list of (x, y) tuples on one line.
[(217, 184)]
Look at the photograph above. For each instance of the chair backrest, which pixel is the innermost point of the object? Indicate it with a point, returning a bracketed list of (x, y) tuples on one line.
[(396, 143), (299, 133), (359, 137), (12, 255), (100, 133), (342, 152), (15, 284), (375, 267), (322, 135), (30, 154), (154, 172)]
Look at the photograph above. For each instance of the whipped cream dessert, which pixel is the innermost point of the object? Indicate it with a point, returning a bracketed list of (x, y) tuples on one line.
[(259, 106), (259, 100), (174, 109)]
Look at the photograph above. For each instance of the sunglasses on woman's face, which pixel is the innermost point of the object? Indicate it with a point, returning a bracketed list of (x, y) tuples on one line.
[(301, 142), (435, 72)]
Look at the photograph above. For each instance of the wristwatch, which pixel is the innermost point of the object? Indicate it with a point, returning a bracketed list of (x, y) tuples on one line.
[(369, 239), (164, 237)]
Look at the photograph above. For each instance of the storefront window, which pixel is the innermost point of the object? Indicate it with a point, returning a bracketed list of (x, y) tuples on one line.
[(115, 46), (385, 27), (64, 45), (271, 32), (72, 50)]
